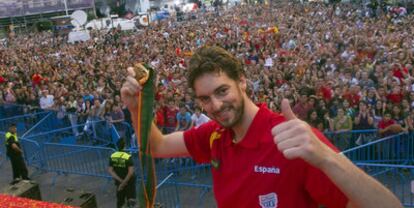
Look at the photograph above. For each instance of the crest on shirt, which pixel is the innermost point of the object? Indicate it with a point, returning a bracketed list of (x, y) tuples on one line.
[(268, 201), (214, 136), (215, 163)]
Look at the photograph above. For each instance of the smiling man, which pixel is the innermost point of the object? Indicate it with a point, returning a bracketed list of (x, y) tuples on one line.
[(259, 158)]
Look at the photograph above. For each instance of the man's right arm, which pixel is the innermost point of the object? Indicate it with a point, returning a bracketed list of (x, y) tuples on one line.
[(170, 145), (16, 148)]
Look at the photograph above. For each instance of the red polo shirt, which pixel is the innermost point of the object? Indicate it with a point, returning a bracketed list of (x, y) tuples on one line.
[(253, 173)]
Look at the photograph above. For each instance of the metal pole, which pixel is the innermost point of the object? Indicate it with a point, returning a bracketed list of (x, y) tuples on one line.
[(66, 7), (94, 10)]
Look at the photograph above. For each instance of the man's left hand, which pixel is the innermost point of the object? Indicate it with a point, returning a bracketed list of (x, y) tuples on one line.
[(122, 186), (295, 139)]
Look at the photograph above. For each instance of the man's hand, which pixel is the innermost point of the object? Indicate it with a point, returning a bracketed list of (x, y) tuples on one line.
[(130, 90), (295, 139), (122, 186)]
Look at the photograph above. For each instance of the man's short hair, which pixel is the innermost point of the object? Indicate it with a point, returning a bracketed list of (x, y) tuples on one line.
[(213, 59)]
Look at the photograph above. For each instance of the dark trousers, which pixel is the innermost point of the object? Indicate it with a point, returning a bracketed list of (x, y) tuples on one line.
[(19, 167), (125, 194)]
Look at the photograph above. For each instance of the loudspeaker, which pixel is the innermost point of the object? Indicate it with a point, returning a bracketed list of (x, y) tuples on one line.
[(79, 199), (24, 188)]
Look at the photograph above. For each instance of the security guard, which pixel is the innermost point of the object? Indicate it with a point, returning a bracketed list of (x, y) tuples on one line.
[(15, 153), (121, 168)]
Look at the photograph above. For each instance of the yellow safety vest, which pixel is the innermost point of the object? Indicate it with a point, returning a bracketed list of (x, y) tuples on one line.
[(10, 135), (119, 159)]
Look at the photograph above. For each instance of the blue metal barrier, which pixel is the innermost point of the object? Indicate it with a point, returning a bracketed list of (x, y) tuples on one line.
[(167, 193), (101, 132), (76, 159), (391, 161), (397, 178), (23, 122), (394, 149), (350, 139), (53, 136), (126, 131), (50, 122), (11, 110), (96, 133), (188, 177), (32, 153)]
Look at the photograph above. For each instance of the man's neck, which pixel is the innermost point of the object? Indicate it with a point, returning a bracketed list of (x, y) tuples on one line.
[(240, 130)]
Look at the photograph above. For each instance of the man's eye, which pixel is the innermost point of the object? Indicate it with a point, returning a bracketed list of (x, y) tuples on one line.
[(222, 91), (204, 99)]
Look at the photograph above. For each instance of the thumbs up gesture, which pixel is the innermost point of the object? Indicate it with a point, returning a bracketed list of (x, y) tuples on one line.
[(295, 139)]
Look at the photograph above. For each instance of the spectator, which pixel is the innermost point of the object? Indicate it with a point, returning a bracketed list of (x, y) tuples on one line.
[(314, 120), (10, 95), (387, 126), (170, 112), (183, 118), (198, 118), (342, 125), (301, 108), (159, 117), (72, 110), (363, 119), (46, 101)]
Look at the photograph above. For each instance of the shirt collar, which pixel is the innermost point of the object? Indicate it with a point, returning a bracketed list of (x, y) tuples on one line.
[(252, 137)]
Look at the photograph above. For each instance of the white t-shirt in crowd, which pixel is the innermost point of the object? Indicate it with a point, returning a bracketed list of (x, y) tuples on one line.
[(269, 62), (46, 102), (199, 120)]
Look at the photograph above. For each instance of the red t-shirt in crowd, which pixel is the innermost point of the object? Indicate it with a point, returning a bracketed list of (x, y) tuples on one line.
[(170, 117), (326, 93), (399, 73), (247, 61), (177, 51), (352, 98), (2, 80), (384, 124), (36, 79), (280, 82), (254, 173), (395, 98), (159, 117)]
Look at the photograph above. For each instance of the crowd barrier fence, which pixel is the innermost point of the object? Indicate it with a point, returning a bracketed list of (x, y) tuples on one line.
[(394, 149), (22, 122), (10, 110), (350, 139), (390, 160)]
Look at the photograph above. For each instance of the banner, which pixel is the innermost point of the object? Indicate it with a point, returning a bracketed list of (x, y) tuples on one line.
[(13, 8)]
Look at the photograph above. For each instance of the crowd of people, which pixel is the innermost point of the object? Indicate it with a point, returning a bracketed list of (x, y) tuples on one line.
[(340, 68)]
